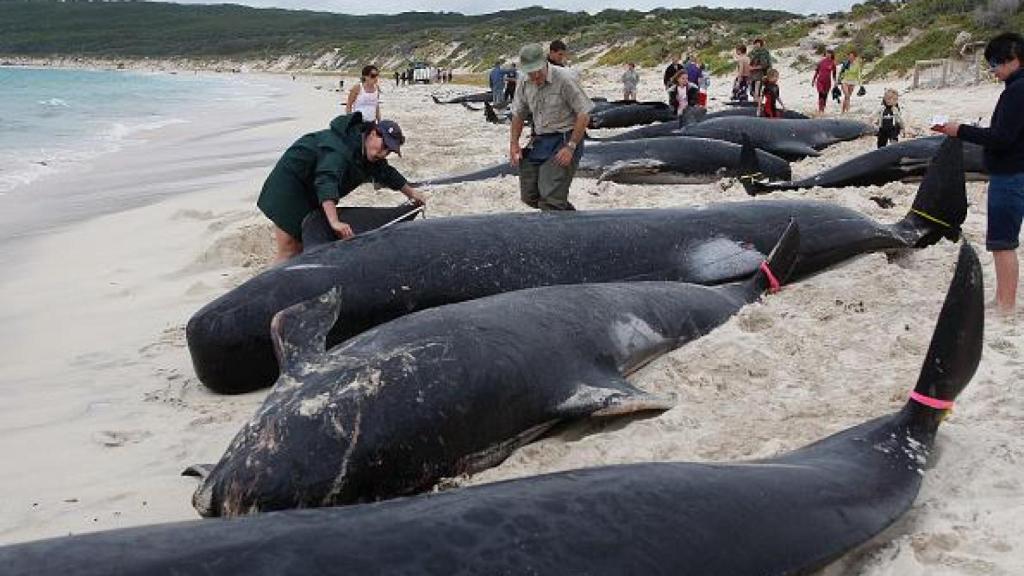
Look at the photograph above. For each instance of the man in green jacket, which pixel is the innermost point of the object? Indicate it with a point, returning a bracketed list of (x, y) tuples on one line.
[(321, 167)]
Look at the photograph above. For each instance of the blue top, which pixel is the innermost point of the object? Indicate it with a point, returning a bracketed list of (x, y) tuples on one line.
[(693, 72), (1003, 140), (497, 77)]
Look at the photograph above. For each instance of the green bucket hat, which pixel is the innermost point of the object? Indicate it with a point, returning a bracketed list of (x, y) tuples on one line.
[(531, 58)]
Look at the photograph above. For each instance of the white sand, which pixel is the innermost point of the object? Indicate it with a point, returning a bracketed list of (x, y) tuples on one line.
[(101, 409)]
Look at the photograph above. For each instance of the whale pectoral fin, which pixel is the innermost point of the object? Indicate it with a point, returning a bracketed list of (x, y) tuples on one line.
[(612, 397), (627, 170), (792, 149), (299, 332), (200, 471)]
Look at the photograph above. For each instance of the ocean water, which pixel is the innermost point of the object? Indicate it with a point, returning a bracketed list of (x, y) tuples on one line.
[(66, 134), (56, 120)]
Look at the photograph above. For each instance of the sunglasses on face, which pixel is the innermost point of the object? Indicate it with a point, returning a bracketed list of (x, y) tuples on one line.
[(993, 64), (374, 74)]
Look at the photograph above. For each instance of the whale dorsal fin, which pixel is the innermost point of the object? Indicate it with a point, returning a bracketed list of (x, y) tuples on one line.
[(300, 331)]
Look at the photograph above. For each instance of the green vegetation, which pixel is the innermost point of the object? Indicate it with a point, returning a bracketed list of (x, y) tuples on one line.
[(45, 28), (327, 41), (937, 43), (931, 26)]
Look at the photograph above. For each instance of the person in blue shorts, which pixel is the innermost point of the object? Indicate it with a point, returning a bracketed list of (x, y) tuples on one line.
[(1003, 143)]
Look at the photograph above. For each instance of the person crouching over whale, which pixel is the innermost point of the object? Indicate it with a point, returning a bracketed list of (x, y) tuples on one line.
[(321, 167), (561, 112)]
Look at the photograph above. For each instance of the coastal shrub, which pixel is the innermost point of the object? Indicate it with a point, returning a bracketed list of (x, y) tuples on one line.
[(931, 44)]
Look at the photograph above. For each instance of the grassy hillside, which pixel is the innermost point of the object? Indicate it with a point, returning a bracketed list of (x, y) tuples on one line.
[(928, 28), (922, 29), (44, 28)]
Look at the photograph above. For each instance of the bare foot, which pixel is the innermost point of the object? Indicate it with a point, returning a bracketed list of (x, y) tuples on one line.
[(1000, 310)]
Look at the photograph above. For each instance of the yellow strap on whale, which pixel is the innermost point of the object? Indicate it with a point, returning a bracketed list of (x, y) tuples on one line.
[(930, 217)]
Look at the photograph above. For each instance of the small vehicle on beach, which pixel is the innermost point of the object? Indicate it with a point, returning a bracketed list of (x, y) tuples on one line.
[(422, 72)]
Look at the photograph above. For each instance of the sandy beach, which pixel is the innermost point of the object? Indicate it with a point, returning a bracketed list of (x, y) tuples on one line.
[(102, 410)]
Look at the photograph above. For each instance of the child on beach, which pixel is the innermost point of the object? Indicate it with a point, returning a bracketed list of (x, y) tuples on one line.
[(772, 102), (682, 93), (740, 84), (890, 120)]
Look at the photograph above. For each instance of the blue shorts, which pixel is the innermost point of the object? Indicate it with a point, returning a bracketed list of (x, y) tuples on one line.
[(1005, 211)]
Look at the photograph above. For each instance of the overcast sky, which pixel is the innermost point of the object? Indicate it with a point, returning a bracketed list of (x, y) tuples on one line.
[(486, 6)]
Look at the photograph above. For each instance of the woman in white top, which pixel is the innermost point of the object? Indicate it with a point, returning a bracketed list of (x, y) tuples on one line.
[(365, 96)]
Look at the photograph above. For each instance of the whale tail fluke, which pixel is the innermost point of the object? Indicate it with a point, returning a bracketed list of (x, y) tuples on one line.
[(776, 270), (436, 99), (955, 349), (316, 231), (940, 207)]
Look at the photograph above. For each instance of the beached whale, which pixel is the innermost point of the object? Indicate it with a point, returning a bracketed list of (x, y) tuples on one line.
[(454, 389), (476, 97), (624, 114), (672, 160), (790, 139), (787, 139), (416, 265), (902, 161), (690, 116), (786, 515)]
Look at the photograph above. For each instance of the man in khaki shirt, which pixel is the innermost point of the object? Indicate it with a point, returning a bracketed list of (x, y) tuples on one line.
[(561, 112)]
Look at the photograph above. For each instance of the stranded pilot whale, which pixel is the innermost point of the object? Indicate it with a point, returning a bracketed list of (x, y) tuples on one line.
[(678, 159), (416, 265), (454, 389), (786, 515), (475, 97), (787, 139), (906, 160)]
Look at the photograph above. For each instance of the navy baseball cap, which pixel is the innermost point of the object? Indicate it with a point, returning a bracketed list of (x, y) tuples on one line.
[(392, 135)]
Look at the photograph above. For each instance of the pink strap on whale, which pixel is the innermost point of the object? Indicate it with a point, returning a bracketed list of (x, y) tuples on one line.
[(931, 402), (773, 282)]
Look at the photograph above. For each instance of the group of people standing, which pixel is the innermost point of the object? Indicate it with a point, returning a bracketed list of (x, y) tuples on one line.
[(846, 76), (756, 79), (440, 76), (502, 82), (686, 84)]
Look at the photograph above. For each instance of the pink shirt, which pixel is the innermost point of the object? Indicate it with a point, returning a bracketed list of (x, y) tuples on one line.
[(825, 69)]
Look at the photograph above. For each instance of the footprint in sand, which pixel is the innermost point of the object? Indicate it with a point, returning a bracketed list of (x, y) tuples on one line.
[(757, 320), (1004, 346), (118, 438)]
